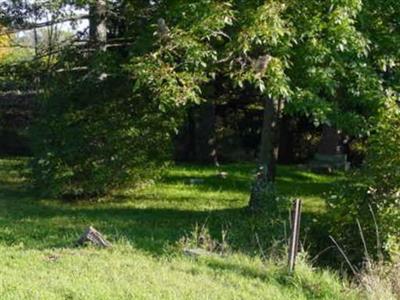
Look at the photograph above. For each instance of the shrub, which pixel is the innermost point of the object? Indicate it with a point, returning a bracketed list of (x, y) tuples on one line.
[(93, 134), (373, 193)]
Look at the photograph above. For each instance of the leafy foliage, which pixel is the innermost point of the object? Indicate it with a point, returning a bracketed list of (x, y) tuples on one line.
[(311, 56), (183, 56), (332, 80), (93, 135), (104, 127), (4, 45), (373, 193)]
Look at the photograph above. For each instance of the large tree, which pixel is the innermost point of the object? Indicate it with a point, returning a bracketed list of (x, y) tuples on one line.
[(303, 57), (298, 57)]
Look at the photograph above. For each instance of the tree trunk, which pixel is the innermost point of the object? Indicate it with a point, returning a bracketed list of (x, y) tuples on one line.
[(205, 132), (98, 23), (269, 150), (286, 140), (269, 147), (330, 154), (330, 141), (197, 140)]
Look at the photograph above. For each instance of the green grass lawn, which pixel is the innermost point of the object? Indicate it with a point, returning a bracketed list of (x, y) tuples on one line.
[(38, 260)]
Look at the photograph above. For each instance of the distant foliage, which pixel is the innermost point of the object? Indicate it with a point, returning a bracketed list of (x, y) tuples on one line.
[(375, 187), (4, 44)]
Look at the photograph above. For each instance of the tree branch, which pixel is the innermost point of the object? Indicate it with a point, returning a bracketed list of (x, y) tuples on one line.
[(31, 26)]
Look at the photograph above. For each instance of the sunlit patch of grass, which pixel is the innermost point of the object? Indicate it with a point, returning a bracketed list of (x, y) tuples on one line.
[(123, 272)]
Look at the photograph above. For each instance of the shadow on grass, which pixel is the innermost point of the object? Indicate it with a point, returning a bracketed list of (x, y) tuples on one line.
[(291, 181), (39, 224)]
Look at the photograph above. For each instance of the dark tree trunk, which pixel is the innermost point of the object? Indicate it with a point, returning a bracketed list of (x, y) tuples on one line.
[(269, 147), (269, 150), (204, 127), (184, 142), (205, 132), (286, 140), (98, 23), (196, 142), (330, 154), (330, 141)]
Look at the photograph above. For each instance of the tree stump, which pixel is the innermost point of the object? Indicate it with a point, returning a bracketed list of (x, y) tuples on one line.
[(91, 235)]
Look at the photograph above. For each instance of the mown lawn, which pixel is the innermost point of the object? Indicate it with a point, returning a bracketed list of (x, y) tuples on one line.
[(38, 259)]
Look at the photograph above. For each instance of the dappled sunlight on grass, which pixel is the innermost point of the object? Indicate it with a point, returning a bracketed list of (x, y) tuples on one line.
[(38, 257), (153, 216)]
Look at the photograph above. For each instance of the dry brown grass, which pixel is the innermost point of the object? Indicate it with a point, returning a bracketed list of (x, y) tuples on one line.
[(381, 281)]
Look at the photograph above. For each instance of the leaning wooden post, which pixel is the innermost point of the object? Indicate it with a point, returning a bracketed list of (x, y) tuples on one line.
[(295, 233)]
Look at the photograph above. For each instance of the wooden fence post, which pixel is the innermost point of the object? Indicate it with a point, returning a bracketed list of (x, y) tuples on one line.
[(295, 233)]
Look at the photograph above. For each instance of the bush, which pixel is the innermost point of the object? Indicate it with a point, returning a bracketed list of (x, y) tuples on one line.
[(94, 134), (373, 193)]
